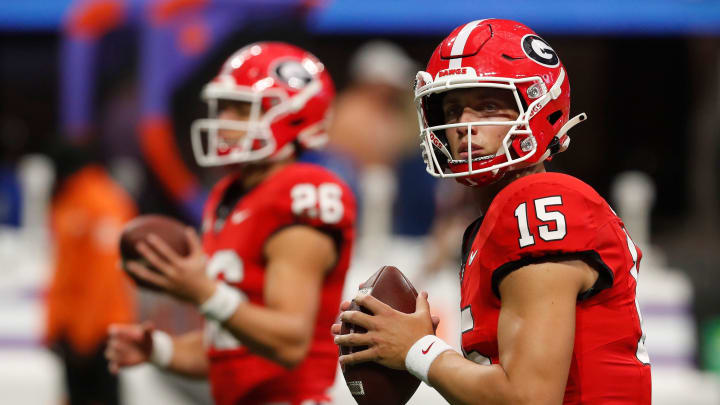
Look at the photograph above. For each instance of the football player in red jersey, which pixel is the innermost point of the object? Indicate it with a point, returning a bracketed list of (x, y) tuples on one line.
[(549, 274), (277, 235)]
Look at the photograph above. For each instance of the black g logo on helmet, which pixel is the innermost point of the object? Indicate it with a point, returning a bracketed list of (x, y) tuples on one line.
[(539, 51), (293, 74)]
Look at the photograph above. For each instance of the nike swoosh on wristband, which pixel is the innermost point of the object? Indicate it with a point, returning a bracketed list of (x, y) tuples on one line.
[(425, 351)]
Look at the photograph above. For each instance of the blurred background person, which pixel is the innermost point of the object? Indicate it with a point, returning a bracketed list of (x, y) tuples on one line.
[(375, 125), (277, 238), (456, 208), (374, 120), (88, 291)]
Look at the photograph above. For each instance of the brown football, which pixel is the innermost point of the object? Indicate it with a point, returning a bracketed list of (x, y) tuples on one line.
[(370, 383), (168, 229)]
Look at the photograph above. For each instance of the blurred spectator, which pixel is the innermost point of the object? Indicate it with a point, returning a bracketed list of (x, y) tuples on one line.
[(456, 207), (374, 117), (375, 124), (88, 291)]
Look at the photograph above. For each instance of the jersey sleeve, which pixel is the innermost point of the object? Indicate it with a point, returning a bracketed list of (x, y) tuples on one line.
[(315, 197), (544, 221)]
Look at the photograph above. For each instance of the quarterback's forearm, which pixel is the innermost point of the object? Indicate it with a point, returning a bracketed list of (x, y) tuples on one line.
[(189, 357), (462, 382), (279, 336), (536, 331)]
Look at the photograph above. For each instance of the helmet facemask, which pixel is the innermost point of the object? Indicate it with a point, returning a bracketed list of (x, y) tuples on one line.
[(518, 145), (255, 141)]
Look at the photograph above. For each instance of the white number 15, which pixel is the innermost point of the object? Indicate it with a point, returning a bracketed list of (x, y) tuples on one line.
[(526, 237)]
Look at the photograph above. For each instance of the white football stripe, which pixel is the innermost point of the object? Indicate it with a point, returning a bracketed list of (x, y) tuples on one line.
[(460, 41)]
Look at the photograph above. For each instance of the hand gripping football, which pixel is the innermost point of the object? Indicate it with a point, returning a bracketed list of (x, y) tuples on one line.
[(168, 229), (370, 383)]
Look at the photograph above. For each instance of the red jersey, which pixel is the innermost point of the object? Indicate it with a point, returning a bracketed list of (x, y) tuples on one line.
[(550, 216), (297, 194)]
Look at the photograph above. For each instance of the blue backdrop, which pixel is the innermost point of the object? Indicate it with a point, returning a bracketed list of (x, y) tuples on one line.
[(654, 17)]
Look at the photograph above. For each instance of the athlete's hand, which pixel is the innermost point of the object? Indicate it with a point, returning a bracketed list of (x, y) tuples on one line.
[(128, 345), (336, 328), (390, 333), (181, 276)]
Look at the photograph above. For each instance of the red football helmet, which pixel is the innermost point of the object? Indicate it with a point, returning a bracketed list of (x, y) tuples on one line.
[(498, 54), (289, 92)]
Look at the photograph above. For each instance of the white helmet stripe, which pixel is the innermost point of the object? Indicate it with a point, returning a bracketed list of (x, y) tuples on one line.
[(459, 44)]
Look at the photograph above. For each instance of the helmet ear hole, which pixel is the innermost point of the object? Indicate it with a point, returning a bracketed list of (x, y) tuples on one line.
[(554, 117)]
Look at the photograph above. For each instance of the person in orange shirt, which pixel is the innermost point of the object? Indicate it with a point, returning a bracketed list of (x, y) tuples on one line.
[(88, 291)]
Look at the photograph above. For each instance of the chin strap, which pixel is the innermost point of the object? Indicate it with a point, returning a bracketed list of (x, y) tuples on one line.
[(565, 143), (565, 128), (571, 123)]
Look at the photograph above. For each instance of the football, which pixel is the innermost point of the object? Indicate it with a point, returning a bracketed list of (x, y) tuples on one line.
[(168, 229), (371, 383)]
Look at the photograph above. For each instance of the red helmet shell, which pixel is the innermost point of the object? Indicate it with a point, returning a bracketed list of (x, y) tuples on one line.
[(497, 53), (290, 90)]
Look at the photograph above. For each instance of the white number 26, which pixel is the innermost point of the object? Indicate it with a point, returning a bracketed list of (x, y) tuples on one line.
[(324, 201)]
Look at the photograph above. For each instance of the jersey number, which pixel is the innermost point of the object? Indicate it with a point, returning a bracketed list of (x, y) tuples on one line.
[(542, 214), (323, 201)]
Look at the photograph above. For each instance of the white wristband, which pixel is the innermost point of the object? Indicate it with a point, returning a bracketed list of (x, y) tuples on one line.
[(162, 349), (422, 354), (223, 303)]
